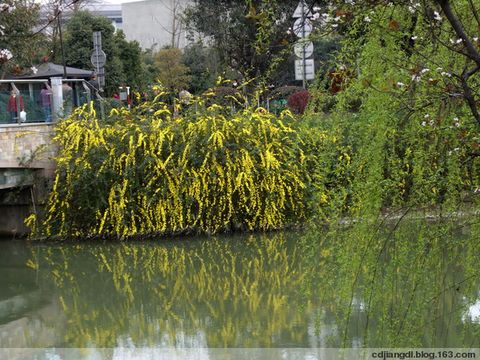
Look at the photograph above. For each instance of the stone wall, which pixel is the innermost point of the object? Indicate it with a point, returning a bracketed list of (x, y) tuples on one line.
[(27, 146), (26, 171)]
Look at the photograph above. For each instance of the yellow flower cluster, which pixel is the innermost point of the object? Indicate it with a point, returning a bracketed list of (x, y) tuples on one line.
[(208, 170)]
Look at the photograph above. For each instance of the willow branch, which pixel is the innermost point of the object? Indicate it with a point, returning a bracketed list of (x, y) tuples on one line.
[(459, 30)]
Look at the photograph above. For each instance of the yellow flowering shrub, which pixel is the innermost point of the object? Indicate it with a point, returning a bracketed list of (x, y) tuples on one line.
[(204, 170)]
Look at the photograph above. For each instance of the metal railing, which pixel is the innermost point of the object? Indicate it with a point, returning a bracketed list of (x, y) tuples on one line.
[(22, 101)]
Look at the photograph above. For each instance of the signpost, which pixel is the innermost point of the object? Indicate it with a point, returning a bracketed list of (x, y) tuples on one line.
[(303, 47), (98, 58), (304, 67)]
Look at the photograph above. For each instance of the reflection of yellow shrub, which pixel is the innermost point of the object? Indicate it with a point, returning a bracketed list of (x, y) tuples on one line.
[(204, 172), (238, 293)]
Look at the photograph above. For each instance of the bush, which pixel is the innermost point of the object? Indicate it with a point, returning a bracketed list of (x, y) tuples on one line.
[(224, 96), (144, 171), (298, 101)]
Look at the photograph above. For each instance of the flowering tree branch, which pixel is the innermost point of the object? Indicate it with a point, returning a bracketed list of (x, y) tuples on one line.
[(472, 53), (459, 30)]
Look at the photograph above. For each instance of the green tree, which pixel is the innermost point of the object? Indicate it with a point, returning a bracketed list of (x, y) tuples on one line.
[(149, 69), (428, 35), (172, 73), (125, 62), (250, 37), (19, 42), (203, 66), (79, 46), (130, 56), (406, 91)]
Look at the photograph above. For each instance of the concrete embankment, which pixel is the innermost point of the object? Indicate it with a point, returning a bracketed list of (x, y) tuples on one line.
[(26, 168)]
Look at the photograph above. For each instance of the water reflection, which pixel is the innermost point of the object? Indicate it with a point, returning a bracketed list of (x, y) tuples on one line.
[(473, 312), (242, 292), (277, 290)]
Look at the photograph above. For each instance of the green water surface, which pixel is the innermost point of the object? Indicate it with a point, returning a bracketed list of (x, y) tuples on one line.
[(280, 290)]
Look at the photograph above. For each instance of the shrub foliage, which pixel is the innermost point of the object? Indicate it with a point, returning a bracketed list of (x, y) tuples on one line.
[(146, 171)]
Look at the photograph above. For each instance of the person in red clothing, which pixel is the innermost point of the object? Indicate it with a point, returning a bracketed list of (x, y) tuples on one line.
[(12, 105)]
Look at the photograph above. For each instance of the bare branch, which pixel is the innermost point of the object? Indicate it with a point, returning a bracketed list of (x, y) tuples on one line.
[(54, 18), (474, 11), (459, 30), (468, 93)]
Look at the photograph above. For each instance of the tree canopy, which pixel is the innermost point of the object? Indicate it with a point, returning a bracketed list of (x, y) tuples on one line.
[(172, 73), (430, 49), (249, 36), (401, 104), (123, 65), (20, 44)]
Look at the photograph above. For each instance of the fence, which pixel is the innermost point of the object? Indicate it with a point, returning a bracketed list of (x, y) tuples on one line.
[(22, 101)]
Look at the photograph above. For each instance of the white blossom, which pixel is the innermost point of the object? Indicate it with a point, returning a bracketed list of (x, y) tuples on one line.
[(437, 16), (400, 84), (414, 37), (412, 8), (475, 38), (424, 71), (6, 7), (326, 18), (447, 74), (315, 16), (5, 54), (367, 19), (426, 116), (424, 123), (34, 70)]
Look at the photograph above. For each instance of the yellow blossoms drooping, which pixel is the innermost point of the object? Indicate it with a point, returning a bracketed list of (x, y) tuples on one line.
[(207, 170)]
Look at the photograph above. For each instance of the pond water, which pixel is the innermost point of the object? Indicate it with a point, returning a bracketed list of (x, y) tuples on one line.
[(280, 290)]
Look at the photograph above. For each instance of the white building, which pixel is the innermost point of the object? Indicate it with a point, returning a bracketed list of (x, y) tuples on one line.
[(110, 11), (113, 12), (155, 23)]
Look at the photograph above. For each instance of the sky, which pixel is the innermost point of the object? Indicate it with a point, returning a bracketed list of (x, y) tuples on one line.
[(120, 1)]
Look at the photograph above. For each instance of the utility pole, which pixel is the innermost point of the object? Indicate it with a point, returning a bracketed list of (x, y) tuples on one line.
[(304, 77), (59, 24)]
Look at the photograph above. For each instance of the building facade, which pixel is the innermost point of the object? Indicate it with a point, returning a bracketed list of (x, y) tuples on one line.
[(155, 23)]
